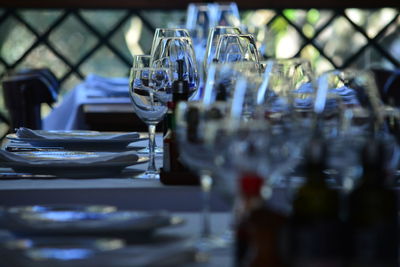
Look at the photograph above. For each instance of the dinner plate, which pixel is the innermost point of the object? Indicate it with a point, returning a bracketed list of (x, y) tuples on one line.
[(26, 251), (73, 163), (78, 221), (79, 140), (63, 245)]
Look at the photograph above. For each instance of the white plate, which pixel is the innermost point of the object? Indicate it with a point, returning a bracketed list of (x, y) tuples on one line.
[(72, 140), (69, 163)]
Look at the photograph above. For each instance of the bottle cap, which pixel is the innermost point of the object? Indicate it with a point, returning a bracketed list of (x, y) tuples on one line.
[(251, 184)]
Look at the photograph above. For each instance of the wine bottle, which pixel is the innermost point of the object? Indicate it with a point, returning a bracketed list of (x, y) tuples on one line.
[(173, 171), (316, 228), (259, 228), (373, 221)]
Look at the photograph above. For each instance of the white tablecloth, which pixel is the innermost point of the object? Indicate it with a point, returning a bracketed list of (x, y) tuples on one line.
[(68, 114)]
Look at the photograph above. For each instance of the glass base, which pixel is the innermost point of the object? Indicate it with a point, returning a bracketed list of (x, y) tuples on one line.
[(213, 242), (149, 175), (157, 150)]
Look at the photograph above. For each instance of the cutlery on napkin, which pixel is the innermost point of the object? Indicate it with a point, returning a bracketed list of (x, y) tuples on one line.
[(23, 132)]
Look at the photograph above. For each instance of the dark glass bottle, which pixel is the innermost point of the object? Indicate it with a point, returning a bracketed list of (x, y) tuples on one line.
[(316, 230), (173, 171), (259, 228), (373, 219), (180, 92)]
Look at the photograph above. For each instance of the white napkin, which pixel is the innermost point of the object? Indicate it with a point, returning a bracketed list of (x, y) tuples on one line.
[(106, 158), (23, 132)]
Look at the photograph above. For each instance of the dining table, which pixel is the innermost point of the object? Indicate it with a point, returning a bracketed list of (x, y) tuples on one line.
[(126, 192)]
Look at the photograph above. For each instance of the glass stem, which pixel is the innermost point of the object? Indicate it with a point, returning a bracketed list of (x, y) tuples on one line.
[(206, 183), (152, 135)]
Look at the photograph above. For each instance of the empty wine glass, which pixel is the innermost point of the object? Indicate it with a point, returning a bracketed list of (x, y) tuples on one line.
[(227, 14), (149, 89), (144, 61), (236, 47), (200, 17), (360, 117), (198, 156), (177, 49), (212, 42), (288, 89), (166, 33), (222, 78), (361, 105)]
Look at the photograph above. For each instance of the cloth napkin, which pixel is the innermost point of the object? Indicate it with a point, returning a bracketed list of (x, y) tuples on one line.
[(23, 132), (107, 158)]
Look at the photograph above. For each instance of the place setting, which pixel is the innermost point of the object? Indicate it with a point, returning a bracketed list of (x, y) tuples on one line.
[(90, 235), (73, 153)]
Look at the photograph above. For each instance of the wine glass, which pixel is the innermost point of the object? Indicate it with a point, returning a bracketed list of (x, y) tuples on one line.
[(166, 33), (227, 14), (191, 118), (144, 61), (179, 49), (361, 115), (212, 42), (149, 89), (359, 97), (222, 78), (288, 89), (200, 17), (236, 47)]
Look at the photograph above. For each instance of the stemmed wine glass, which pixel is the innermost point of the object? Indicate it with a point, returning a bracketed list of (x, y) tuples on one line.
[(161, 33), (284, 100), (179, 50), (288, 90), (227, 14), (144, 61), (222, 78), (354, 96), (236, 47), (212, 42), (197, 155), (200, 17), (149, 88)]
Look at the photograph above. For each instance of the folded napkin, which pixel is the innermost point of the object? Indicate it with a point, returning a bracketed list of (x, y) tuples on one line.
[(23, 132), (106, 158)]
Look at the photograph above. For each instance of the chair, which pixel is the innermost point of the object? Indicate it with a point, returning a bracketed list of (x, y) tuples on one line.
[(24, 92)]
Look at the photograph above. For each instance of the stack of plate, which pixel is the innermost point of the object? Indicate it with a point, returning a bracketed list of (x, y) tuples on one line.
[(86, 235), (70, 153)]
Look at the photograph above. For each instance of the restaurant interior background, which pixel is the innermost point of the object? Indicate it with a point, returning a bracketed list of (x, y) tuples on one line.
[(73, 39)]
